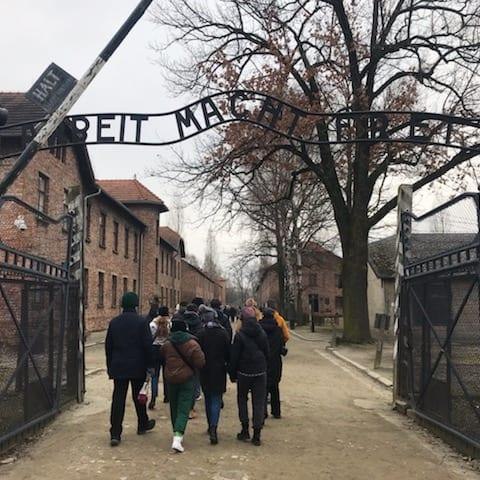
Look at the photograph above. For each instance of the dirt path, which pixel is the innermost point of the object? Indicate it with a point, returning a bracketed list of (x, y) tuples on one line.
[(336, 424)]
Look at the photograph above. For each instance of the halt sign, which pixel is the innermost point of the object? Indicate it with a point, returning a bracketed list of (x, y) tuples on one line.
[(51, 88)]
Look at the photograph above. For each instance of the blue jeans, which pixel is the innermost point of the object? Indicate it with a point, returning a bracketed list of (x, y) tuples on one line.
[(213, 405)]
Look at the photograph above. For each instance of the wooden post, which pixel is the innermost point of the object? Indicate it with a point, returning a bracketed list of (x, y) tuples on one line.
[(404, 204), (381, 337)]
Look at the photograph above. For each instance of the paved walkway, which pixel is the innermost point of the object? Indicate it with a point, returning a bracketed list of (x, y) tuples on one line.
[(337, 425), (362, 355)]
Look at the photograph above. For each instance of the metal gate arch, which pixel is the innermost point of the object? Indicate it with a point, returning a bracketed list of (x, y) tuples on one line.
[(439, 347)]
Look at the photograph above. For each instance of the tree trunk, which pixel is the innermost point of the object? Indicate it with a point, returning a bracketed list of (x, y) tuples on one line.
[(354, 282)]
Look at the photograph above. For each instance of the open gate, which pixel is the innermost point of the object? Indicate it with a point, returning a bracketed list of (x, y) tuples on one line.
[(439, 348), (39, 317)]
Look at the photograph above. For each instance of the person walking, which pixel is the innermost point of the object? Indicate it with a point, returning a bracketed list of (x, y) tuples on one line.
[(128, 350), (274, 364), (159, 328), (248, 367), (194, 323), (281, 322), (223, 319), (215, 343), (183, 358)]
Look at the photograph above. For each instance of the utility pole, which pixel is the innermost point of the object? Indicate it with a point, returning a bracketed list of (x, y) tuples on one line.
[(61, 112)]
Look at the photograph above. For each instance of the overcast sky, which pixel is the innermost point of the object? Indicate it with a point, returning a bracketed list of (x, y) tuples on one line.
[(71, 33)]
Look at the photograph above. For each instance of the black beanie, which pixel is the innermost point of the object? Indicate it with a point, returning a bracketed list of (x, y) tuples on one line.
[(179, 326), (129, 300), (163, 311)]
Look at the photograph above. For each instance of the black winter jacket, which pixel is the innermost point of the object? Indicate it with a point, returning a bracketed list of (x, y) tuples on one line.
[(249, 350), (128, 346), (224, 321), (216, 346), (276, 344)]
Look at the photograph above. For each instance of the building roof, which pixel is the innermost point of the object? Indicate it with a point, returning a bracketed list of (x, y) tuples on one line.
[(132, 192), (201, 272), (173, 239), (381, 254), (20, 109)]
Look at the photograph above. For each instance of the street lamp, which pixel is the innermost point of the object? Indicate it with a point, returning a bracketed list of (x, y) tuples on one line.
[(3, 116)]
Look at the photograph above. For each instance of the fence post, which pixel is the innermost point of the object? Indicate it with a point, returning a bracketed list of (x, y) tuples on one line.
[(404, 204)]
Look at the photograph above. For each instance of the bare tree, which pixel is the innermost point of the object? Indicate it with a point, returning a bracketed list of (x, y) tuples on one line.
[(210, 263), (331, 55)]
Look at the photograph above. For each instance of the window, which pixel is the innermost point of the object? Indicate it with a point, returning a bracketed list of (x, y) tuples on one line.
[(313, 302), (85, 287), (114, 291), (127, 241), (157, 231), (135, 247), (101, 289), (88, 221), (115, 237), (134, 285), (43, 187), (59, 152), (327, 301), (167, 267), (156, 270), (312, 279), (125, 284), (338, 280), (163, 262), (65, 209), (102, 230)]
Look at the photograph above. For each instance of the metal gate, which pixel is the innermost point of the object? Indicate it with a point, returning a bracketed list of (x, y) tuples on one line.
[(39, 319), (439, 348)]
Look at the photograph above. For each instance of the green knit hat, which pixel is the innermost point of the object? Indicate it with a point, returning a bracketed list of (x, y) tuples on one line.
[(129, 300)]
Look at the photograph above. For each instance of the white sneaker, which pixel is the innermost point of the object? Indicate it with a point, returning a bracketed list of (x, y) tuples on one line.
[(177, 444)]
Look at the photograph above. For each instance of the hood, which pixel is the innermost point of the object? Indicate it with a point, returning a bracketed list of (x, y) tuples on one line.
[(213, 324), (207, 314), (179, 337), (251, 328), (269, 324), (191, 318)]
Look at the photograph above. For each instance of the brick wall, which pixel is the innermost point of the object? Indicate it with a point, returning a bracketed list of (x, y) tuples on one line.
[(194, 284), (109, 262), (320, 279), (170, 276)]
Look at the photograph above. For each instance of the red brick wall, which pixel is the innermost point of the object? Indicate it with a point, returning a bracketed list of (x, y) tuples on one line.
[(194, 284), (105, 260), (41, 239), (170, 276)]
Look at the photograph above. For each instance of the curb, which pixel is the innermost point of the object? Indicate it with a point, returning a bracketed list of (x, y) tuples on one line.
[(384, 382), (101, 342), (301, 337), (95, 371)]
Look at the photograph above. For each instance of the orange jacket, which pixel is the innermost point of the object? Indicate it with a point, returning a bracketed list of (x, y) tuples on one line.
[(282, 323)]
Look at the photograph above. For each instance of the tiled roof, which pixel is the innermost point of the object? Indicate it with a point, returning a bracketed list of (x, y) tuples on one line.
[(201, 272), (173, 239), (20, 109), (130, 192), (381, 254)]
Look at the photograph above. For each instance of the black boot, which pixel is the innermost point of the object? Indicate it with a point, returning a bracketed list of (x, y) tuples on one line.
[(212, 431), (256, 437), (144, 429), (244, 435), (151, 405)]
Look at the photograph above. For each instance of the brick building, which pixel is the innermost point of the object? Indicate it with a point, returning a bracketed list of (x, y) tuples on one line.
[(113, 242), (123, 248), (321, 282), (196, 283), (169, 278)]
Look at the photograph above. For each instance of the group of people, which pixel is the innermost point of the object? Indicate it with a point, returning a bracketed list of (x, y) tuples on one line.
[(195, 350)]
